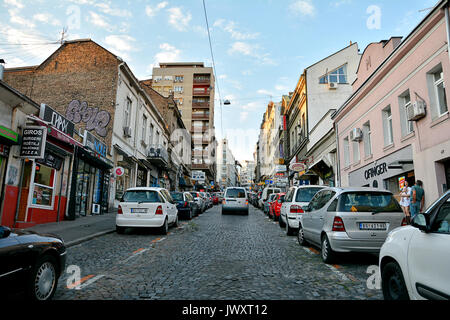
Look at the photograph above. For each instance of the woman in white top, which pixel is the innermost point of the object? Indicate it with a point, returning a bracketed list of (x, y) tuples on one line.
[(405, 201)]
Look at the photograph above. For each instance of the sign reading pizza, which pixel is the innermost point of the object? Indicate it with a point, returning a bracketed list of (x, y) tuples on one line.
[(298, 167)]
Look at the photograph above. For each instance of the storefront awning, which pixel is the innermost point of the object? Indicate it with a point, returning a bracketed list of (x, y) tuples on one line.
[(399, 164), (322, 168), (95, 159), (55, 133)]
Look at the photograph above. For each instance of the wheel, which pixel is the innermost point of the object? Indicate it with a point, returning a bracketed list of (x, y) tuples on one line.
[(289, 230), (120, 230), (281, 223), (393, 283), (328, 255), (165, 228), (301, 236), (43, 279)]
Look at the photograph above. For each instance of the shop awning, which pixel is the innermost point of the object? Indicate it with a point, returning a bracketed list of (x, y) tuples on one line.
[(95, 159), (399, 164), (322, 168), (55, 133)]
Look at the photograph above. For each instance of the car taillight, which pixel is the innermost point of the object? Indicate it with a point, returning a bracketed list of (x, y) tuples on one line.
[(159, 210), (246, 203), (185, 204), (297, 209), (119, 211), (338, 225), (224, 201)]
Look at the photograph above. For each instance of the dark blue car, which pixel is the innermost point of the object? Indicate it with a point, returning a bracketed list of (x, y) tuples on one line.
[(186, 205)]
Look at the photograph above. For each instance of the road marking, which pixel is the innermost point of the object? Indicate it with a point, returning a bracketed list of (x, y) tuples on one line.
[(89, 282), (139, 250), (314, 251), (135, 254), (338, 273), (79, 282)]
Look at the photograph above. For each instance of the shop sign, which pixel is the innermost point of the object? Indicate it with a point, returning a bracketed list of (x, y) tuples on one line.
[(57, 120), (4, 151), (33, 142), (9, 134), (281, 168), (91, 142), (119, 171), (401, 183), (376, 171), (298, 167), (198, 176), (51, 161)]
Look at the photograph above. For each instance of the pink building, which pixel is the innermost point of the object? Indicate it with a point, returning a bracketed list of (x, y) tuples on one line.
[(400, 81)]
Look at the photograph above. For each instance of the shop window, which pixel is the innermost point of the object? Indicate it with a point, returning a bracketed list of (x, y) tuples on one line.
[(43, 189)]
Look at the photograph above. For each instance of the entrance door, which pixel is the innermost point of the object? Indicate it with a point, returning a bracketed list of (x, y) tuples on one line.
[(25, 191), (447, 173)]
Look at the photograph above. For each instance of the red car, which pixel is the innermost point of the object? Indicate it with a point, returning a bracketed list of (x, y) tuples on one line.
[(275, 206), (215, 199)]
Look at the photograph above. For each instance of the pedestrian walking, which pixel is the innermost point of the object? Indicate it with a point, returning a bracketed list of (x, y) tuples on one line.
[(417, 199), (405, 201)]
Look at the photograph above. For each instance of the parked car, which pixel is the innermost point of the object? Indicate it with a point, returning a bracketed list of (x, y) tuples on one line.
[(341, 220), (275, 208), (215, 198), (415, 260), (265, 195), (147, 207), (208, 203), (210, 198), (235, 200), (31, 263), (296, 199), (186, 205), (268, 203), (199, 200)]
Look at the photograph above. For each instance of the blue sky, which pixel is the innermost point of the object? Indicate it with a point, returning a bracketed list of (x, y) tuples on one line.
[(260, 46)]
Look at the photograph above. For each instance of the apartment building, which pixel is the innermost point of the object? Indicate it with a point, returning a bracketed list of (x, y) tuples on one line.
[(192, 86), (227, 175), (248, 174)]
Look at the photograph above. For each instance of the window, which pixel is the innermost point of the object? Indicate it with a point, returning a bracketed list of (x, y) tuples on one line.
[(367, 139), (333, 206), (320, 200), (406, 126), (179, 78), (339, 76), (235, 193), (144, 128), (128, 106), (387, 124), (168, 78), (152, 128), (178, 89), (346, 152), (44, 184), (356, 152), (440, 95), (368, 202), (306, 194), (141, 196), (442, 222)]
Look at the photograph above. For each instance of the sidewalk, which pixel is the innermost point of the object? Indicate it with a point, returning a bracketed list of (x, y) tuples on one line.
[(80, 230)]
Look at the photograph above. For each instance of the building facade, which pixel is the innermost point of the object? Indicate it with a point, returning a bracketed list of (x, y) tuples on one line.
[(227, 175), (395, 127)]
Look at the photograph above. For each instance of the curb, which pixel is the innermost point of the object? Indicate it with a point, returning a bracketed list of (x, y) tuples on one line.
[(92, 236)]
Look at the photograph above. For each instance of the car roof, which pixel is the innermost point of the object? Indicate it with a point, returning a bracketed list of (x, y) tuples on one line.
[(356, 189), (146, 189)]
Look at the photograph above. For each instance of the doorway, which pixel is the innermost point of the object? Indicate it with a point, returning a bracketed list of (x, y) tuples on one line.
[(447, 174)]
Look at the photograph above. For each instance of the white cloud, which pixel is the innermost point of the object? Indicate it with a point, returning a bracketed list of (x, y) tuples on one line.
[(231, 28), (17, 19), (121, 42), (99, 21), (106, 8), (15, 3), (252, 51), (178, 19), (167, 53), (46, 18), (303, 7), (152, 11)]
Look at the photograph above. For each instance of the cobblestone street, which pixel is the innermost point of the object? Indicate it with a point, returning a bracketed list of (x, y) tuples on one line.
[(213, 257)]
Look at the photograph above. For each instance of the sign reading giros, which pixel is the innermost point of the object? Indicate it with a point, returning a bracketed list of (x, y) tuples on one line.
[(298, 167), (119, 171)]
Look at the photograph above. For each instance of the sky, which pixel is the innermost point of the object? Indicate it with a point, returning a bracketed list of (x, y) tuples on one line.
[(260, 47)]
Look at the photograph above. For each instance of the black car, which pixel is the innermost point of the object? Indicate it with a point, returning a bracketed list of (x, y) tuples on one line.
[(186, 205), (30, 263)]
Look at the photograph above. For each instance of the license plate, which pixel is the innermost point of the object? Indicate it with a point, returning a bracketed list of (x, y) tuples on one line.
[(373, 226), (138, 210)]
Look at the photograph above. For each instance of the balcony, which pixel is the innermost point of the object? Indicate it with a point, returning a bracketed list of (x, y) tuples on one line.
[(158, 155), (201, 116), (201, 93), (201, 141), (201, 105), (199, 129), (202, 80)]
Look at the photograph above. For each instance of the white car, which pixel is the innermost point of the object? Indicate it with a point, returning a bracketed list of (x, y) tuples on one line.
[(235, 200), (265, 196), (415, 260), (146, 207), (296, 199)]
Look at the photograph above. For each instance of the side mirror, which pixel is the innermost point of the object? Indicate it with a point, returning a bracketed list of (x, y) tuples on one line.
[(4, 232), (421, 222), (306, 209)]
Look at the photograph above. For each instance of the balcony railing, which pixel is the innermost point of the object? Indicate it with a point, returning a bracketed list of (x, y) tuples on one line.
[(158, 155), (202, 93), (200, 116), (202, 80), (199, 129), (200, 105)]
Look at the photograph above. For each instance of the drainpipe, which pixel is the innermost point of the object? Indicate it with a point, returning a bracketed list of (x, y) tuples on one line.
[(447, 23), (338, 158)]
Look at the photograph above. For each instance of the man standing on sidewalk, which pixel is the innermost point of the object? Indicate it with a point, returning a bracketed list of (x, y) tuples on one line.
[(417, 199)]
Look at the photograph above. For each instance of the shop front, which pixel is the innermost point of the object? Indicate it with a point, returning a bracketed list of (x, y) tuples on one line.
[(8, 138), (125, 170), (388, 173)]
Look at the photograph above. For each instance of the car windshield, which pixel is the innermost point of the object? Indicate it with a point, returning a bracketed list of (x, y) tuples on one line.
[(177, 196), (306, 194), (235, 193), (282, 198), (368, 202), (141, 196)]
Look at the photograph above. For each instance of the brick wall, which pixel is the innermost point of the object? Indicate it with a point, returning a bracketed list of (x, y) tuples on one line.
[(78, 71)]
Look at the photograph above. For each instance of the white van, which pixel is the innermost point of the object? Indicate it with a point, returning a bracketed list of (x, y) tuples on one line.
[(265, 195)]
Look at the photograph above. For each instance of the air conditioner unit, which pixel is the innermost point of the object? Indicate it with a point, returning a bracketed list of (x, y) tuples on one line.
[(127, 132), (332, 85), (416, 111), (356, 134), (95, 209), (156, 81)]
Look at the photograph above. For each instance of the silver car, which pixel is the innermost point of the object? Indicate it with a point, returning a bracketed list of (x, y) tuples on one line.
[(235, 200), (343, 220)]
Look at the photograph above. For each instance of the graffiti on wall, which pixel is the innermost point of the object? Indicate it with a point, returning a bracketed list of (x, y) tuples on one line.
[(95, 119), (13, 174)]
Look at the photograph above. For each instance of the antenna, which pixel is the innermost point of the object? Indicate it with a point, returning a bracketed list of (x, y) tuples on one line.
[(63, 34), (426, 9)]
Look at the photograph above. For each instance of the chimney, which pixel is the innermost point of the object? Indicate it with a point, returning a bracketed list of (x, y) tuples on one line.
[(2, 68)]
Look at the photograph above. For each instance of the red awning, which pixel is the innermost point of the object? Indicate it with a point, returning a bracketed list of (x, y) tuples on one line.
[(55, 133)]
